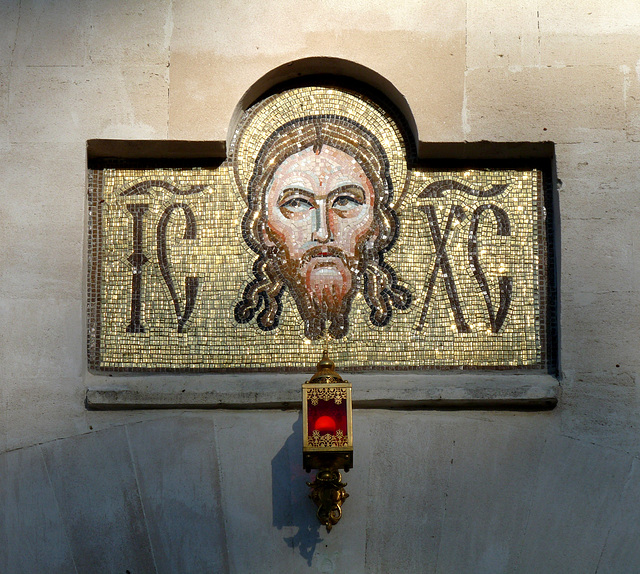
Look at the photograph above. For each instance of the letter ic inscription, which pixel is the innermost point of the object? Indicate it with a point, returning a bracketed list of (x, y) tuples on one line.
[(138, 259)]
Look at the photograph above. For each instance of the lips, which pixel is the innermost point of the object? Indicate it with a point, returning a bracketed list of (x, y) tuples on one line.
[(325, 261), (322, 251)]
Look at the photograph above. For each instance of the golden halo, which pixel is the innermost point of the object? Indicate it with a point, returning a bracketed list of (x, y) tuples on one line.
[(265, 117)]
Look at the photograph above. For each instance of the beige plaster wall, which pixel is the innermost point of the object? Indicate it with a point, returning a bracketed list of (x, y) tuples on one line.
[(499, 70)]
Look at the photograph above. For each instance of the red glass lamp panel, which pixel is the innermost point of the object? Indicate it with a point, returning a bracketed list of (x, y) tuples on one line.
[(327, 417)]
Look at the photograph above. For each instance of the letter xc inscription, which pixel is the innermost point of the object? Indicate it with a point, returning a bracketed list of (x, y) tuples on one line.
[(442, 262), (437, 189)]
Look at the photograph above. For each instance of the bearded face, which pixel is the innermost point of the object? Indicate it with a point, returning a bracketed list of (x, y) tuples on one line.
[(318, 218)]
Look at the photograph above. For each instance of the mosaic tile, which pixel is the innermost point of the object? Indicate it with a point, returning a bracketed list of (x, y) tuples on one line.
[(317, 228)]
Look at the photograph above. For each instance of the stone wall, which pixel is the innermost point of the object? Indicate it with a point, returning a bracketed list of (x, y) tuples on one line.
[(174, 491)]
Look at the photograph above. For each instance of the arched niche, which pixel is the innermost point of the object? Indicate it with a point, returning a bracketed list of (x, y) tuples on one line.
[(336, 72)]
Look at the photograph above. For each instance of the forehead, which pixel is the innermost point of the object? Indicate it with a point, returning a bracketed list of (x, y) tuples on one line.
[(329, 162)]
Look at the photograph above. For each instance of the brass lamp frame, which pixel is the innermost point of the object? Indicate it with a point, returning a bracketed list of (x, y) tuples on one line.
[(328, 453)]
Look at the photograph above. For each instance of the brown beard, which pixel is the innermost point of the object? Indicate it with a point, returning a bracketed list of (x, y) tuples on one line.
[(323, 308)]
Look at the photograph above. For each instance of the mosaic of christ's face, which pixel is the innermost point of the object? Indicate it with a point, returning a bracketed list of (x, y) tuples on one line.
[(319, 220), (319, 214)]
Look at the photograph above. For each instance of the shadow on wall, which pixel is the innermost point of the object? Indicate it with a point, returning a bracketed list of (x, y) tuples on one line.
[(290, 496)]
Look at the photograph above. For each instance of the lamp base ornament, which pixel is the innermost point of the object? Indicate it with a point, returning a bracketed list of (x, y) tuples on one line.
[(328, 493)]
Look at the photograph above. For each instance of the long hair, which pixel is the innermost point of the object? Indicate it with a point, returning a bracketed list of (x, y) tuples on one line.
[(380, 286)]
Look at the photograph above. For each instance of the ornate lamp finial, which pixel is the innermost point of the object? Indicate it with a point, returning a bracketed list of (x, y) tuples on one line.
[(325, 371)]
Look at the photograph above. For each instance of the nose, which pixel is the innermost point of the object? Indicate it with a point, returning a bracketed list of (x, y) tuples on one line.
[(321, 231)]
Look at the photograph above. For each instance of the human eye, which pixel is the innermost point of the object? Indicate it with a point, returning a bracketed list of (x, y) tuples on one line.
[(345, 202), (347, 198), (294, 203)]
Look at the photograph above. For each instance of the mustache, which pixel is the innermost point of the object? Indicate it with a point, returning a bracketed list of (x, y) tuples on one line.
[(324, 251)]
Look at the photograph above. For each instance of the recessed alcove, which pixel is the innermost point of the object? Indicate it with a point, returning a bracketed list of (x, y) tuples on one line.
[(390, 374)]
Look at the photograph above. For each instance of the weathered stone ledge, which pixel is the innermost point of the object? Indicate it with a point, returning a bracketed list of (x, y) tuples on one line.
[(282, 391)]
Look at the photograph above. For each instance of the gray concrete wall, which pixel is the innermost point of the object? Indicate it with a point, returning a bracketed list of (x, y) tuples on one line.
[(197, 491)]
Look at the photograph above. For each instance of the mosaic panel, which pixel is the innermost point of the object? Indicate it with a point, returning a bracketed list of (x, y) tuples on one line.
[(317, 229)]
